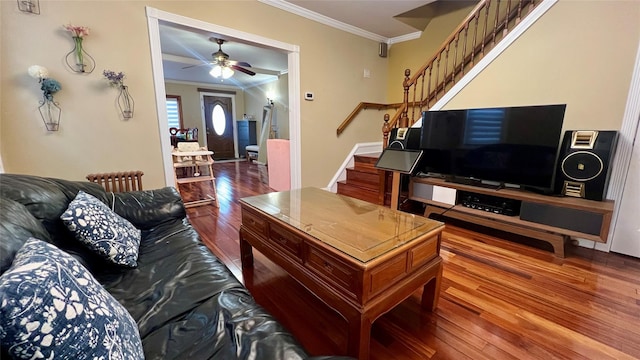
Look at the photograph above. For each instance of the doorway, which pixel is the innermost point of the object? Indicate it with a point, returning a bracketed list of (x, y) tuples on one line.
[(218, 122), (155, 16)]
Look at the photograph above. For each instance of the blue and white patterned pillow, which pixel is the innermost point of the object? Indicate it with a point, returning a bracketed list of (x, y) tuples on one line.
[(52, 307), (102, 230)]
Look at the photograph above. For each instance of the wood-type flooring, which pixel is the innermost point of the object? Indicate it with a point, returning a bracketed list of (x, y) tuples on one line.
[(499, 299)]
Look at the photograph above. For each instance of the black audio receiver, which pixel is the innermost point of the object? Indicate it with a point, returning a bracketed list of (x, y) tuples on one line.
[(489, 203)]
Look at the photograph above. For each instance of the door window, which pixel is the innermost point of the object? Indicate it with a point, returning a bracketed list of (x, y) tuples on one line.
[(219, 119)]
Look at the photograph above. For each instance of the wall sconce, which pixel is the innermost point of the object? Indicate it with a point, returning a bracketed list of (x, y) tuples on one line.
[(29, 6), (270, 96)]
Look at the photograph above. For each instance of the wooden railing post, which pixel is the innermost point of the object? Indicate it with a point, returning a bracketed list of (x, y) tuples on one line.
[(404, 119), (386, 129)]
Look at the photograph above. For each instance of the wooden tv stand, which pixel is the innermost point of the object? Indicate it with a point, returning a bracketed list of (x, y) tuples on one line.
[(553, 219)]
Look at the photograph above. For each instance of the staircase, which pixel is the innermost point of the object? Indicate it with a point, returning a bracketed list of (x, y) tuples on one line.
[(364, 181), (481, 31)]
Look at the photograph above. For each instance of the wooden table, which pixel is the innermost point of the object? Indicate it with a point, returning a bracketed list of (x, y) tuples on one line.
[(359, 258)]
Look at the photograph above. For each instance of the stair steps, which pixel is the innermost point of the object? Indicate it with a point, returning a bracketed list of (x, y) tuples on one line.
[(363, 179)]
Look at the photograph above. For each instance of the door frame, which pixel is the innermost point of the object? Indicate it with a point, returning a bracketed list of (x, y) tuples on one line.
[(154, 16), (233, 117)]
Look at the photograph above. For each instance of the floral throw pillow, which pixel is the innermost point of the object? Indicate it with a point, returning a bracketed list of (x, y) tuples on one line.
[(102, 230), (52, 307)]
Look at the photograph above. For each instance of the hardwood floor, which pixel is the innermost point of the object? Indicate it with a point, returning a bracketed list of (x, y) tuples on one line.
[(499, 299)]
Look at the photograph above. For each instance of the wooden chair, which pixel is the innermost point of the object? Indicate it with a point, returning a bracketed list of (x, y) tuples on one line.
[(118, 181)]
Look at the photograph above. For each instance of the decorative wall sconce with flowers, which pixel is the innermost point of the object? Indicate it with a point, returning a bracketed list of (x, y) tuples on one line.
[(49, 109), (78, 59), (125, 101)]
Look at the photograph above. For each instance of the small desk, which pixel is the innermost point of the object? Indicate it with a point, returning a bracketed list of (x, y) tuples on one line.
[(198, 168), (359, 258)]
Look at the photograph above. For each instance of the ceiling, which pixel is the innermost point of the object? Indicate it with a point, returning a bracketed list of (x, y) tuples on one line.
[(183, 47), (384, 21)]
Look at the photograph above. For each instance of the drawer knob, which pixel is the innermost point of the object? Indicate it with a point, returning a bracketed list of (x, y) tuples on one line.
[(328, 267)]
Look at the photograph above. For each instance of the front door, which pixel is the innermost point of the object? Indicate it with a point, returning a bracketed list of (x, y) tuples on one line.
[(218, 120)]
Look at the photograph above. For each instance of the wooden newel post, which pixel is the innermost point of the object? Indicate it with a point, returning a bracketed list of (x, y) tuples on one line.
[(386, 129), (404, 118)]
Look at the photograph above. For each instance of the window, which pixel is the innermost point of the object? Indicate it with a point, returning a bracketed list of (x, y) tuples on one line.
[(174, 111), (219, 119)]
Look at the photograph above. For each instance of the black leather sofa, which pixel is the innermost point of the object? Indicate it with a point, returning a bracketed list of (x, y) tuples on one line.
[(185, 301)]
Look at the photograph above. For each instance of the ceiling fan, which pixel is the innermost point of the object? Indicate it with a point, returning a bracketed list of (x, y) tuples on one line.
[(222, 66)]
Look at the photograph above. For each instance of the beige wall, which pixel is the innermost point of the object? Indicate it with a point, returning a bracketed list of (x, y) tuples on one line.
[(257, 98), (92, 137), (414, 53), (581, 58), (585, 63)]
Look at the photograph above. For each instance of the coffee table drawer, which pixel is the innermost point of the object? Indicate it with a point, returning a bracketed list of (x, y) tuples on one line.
[(286, 240), (424, 252), (331, 268), (255, 223)]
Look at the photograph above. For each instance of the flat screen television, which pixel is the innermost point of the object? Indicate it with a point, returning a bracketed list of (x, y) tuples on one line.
[(505, 145)]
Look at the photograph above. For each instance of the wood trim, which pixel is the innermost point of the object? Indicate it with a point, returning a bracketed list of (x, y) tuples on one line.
[(219, 91)]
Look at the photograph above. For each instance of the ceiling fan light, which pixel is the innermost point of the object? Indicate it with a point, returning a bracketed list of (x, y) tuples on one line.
[(227, 72), (216, 71)]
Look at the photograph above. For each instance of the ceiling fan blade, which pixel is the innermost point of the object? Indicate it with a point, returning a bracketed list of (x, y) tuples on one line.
[(191, 66), (241, 69), (240, 63)]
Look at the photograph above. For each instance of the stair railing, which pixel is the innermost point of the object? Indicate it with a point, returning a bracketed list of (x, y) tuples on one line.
[(364, 106), (476, 35), (488, 23)]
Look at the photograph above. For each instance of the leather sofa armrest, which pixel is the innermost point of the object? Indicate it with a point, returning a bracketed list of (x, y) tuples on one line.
[(148, 208)]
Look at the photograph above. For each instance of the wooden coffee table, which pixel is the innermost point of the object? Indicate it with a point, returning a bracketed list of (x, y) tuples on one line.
[(359, 258)]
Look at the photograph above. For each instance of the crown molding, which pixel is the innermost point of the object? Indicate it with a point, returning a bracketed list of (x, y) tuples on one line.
[(311, 15), (407, 37)]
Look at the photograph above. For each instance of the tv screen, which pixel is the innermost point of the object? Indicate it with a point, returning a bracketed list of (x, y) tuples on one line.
[(507, 145)]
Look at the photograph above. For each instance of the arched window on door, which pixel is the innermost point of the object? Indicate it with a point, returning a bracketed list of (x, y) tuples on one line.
[(219, 120)]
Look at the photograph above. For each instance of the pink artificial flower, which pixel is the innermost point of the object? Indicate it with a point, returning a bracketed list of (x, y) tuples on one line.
[(77, 31)]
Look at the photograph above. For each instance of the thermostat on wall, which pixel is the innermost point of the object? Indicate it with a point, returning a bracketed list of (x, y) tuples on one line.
[(308, 96)]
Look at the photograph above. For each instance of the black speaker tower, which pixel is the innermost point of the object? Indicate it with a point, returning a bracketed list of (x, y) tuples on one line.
[(584, 163), (405, 138)]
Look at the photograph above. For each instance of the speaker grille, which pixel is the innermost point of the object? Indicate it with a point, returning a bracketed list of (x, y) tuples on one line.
[(401, 133), (573, 189), (582, 166), (583, 139)]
